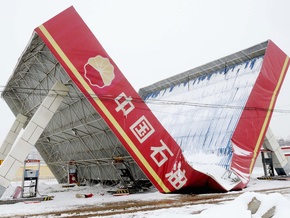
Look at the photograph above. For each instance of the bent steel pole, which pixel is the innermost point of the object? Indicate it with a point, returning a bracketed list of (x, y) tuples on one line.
[(12, 136), (31, 134)]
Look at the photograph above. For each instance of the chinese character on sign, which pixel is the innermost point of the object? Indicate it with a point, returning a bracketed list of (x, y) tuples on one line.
[(160, 150), (177, 177), (142, 129), (124, 103)]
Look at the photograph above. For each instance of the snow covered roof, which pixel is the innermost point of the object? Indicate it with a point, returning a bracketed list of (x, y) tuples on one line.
[(219, 64)]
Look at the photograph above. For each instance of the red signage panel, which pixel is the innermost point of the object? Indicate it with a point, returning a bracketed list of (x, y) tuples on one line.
[(253, 124)]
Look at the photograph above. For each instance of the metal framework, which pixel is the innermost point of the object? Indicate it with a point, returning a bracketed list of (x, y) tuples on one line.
[(76, 132)]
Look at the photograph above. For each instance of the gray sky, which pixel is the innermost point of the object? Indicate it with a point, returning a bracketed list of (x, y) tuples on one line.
[(151, 40)]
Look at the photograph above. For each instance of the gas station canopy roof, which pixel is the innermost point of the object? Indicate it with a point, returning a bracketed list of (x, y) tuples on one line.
[(102, 118)]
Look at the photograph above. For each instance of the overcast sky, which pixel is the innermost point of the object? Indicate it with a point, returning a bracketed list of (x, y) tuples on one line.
[(151, 40)]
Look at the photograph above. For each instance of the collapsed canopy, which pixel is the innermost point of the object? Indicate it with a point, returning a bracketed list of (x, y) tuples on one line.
[(215, 117)]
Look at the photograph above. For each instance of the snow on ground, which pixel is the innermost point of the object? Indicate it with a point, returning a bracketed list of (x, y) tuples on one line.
[(64, 199)]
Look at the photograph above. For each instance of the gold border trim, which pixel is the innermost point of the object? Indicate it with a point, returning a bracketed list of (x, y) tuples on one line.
[(271, 106)]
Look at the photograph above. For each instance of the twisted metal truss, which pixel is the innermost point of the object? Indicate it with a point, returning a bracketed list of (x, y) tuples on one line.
[(76, 132)]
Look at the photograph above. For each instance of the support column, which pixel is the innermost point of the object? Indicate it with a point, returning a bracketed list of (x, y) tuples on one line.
[(12, 136), (280, 162), (30, 135)]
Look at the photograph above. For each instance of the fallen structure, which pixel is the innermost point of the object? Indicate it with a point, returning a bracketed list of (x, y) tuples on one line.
[(219, 113), (206, 139)]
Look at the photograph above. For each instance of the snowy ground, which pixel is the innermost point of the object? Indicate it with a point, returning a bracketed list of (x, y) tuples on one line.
[(152, 204)]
